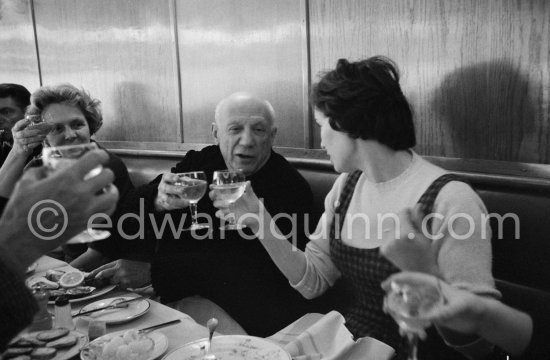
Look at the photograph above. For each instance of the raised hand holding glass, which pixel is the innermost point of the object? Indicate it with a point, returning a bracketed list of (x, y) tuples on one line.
[(409, 303), (193, 187), (229, 186)]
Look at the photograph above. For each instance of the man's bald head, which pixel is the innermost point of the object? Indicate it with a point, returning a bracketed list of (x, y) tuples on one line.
[(243, 102), (244, 129)]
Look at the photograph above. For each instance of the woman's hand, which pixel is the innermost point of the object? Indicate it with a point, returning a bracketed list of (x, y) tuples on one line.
[(412, 250), (461, 310), (246, 209), (25, 138)]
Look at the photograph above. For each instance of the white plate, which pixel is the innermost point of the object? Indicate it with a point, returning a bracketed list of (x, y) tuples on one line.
[(231, 347), (65, 354), (93, 295), (117, 316), (160, 340)]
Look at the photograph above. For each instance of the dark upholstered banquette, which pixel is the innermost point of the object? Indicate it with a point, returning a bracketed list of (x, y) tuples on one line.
[(521, 264)]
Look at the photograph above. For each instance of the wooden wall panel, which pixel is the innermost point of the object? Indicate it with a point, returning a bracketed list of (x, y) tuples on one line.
[(18, 60), (227, 46), (476, 72), (123, 52)]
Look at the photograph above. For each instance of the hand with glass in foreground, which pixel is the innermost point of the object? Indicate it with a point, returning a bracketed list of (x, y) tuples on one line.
[(410, 301), (468, 313), (62, 157), (65, 188)]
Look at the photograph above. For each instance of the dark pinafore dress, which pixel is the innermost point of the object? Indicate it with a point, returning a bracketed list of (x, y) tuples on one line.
[(365, 269)]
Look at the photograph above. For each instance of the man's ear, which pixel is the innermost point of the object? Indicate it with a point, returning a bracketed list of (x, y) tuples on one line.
[(215, 133), (273, 133)]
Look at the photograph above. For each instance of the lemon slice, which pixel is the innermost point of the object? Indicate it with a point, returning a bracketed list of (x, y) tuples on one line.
[(71, 279)]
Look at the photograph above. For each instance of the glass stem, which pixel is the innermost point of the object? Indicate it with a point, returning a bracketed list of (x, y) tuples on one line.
[(193, 207), (231, 220), (413, 346)]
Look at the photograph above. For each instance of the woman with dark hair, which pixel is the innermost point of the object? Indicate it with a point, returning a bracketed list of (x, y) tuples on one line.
[(73, 117), (367, 130)]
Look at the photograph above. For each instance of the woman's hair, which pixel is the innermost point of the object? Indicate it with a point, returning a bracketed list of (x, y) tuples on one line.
[(364, 100), (69, 95)]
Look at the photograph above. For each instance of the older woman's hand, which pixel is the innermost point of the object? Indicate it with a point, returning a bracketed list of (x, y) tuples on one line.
[(246, 209), (26, 139), (168, 195), (412, 250)]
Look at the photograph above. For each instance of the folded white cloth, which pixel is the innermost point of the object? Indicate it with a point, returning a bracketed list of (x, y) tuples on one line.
[(317, 336)]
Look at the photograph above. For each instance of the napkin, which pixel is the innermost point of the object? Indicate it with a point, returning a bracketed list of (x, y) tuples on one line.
[(317, 336)]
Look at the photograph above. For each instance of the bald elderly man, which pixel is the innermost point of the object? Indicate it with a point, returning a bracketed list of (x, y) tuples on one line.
[(224, 274)]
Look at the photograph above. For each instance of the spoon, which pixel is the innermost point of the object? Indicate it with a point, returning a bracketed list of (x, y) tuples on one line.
[(212, 324)]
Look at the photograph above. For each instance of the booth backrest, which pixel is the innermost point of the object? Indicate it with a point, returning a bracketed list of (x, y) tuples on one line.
[(523, 260)]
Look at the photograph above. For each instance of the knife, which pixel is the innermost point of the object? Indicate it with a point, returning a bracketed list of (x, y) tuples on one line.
[(112, 306), (161, 325)]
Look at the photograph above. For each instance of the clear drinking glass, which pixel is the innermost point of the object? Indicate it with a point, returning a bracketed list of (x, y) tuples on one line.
[(37, 122), (61, 157), (409, 303), (193, 187), (229, 185), (96, 329)]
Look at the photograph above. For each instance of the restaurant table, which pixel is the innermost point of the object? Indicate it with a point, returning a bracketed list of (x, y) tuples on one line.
[(309, 338), (179, 334)]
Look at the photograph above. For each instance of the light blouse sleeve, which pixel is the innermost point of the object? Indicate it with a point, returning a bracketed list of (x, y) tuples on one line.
[(463, 239), (321, 273)]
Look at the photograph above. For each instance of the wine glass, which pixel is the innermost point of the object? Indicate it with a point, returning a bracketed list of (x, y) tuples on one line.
[(229, 185), (409, 302), (61, 157), (193, 187)]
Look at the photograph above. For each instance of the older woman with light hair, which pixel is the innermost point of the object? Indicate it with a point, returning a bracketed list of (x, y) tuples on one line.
[(71, 117)]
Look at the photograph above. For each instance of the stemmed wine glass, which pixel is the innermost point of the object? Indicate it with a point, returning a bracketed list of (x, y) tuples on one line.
[(193, 187), (229, 185), (61, 157), (409, 302)]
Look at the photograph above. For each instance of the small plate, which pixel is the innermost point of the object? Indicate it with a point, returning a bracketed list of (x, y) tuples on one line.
[(93, 295), (160, 340), (68, 353), (134, 310), (231, 347)]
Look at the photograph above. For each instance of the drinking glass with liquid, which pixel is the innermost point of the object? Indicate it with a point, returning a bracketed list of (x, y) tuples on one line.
[(42, 320), (56, 158), (192, 188), (409, 303), (229, 185)]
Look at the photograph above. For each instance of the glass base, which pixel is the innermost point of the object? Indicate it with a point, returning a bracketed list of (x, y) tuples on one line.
[(197, 227), (232, 227)]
